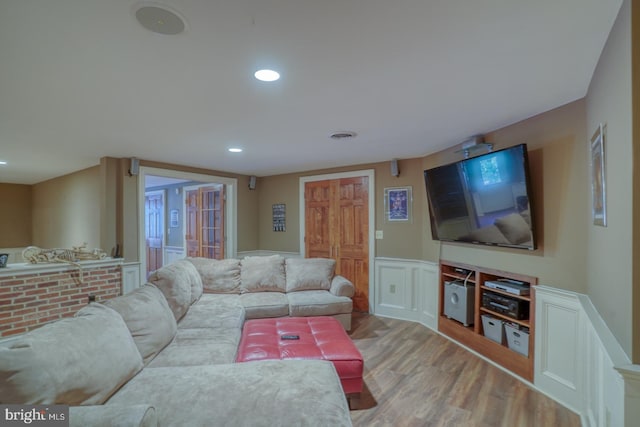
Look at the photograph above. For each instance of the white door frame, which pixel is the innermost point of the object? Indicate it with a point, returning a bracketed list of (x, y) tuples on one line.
[(369, 173), (231, 225)]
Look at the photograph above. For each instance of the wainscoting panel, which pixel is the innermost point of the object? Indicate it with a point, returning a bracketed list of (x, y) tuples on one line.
[(172, 253), (407, 290), (575, 358), (130, 277)]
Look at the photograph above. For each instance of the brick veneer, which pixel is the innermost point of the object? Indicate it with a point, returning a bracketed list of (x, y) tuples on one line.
[(31, 300)]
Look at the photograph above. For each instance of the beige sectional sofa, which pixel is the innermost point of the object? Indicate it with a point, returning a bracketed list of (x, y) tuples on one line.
[(164, 354)]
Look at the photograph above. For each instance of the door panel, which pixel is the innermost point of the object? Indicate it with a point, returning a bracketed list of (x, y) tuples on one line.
[(154, 227), (204, 232), (337, 226), (317, 239), (191, 229)]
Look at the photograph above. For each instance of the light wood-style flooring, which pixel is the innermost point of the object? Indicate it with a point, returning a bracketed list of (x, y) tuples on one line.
[(415, 377)]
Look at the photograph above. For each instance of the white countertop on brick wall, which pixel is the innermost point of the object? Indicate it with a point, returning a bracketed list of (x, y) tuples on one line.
[(21, 269)]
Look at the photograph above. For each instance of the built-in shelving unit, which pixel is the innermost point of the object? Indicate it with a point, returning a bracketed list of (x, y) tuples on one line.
[(473, 335)]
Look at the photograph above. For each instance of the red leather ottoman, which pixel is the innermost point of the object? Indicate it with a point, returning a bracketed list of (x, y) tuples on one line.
[(321, 338)]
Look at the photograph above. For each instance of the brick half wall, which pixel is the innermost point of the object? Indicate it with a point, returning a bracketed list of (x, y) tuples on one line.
[(29, 300)]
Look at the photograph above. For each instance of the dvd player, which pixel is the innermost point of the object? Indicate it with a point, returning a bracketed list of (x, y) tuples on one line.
[(511, 286)]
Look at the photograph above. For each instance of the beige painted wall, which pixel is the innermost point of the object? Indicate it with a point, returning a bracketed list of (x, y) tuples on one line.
[(558, 160), (66, 210), (558, 168), (15, 215), (609, 257), (400, 240)]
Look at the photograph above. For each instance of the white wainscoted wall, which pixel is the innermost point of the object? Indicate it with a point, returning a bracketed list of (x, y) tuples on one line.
[(576, 359), (172, 253), (407, 289), (130, 277)]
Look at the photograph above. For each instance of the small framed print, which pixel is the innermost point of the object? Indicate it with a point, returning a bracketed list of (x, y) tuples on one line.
[(398, 204), (279, 217), (598, 181), (173, 218)]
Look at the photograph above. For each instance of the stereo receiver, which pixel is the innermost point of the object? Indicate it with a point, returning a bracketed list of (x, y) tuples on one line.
[(510, 307)]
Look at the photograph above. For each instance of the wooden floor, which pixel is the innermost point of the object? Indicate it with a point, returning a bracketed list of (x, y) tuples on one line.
[(415, 377)]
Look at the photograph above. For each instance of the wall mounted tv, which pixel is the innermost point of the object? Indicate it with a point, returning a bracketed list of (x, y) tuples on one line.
[(483, 200)]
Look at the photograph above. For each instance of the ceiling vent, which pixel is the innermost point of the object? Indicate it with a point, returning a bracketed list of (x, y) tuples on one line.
[(342, 135)]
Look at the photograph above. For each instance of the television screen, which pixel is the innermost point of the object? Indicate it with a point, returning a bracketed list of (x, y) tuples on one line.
[(484, 200)]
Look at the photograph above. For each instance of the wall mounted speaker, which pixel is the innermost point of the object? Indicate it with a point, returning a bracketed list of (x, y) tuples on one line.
[(395, 169), (252, 182), (134, 167)]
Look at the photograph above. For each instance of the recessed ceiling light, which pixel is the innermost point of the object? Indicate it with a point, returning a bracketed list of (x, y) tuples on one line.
[(2, 162), (235, 150), (267, 75)]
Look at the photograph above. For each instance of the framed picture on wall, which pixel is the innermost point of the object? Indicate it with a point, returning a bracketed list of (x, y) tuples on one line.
[(598, 181), (398, 203)]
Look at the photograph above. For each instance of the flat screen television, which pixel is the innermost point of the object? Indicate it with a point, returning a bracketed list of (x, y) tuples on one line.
[(483, 200)]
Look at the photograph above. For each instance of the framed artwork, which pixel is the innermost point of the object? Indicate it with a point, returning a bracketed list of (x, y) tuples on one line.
[(398, 203), (279, 217), (173, 218), (598, 182)]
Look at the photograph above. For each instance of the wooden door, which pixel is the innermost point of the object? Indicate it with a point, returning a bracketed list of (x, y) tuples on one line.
[(204, 232), (191, 223), (154, 229), (337, 226)]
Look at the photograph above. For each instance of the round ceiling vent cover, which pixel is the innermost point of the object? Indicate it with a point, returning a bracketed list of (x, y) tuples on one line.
[(343, 135), (160, 20)]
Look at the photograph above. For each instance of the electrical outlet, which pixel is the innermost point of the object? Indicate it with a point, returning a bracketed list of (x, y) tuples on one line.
[(379, 234), (392, 289)]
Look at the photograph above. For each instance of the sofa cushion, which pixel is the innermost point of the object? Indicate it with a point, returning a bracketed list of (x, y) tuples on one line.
[(262, 274), (81, 360), (194, 279), (212, 315), (269, 393), (305, 274), (317, 303), (148, 317), (199, 347), (218, 276), (174, 282), (259, 305)]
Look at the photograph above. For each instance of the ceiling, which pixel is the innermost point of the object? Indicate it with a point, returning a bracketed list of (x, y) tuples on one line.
[(82, 79)]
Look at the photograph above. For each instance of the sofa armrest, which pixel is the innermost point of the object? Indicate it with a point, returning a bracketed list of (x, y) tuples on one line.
[(113, 415), (342, 287)]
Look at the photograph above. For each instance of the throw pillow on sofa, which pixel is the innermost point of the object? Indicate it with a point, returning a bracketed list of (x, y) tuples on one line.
[(305, 274), (262, 274), (148, 317), (194, 279), (174, 282), (218, 276), (81, 360)]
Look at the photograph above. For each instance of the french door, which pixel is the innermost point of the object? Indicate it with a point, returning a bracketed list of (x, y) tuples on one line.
[(337, 226), (204, 211)]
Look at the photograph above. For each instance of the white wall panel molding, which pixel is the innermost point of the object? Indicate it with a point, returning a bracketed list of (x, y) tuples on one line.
[(407, 290), (130, 277), (576, 356)]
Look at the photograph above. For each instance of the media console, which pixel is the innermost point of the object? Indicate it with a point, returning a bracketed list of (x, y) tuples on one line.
[(511, 303)]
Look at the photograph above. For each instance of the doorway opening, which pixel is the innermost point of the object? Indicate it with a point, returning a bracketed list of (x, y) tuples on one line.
[(170, 229)]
